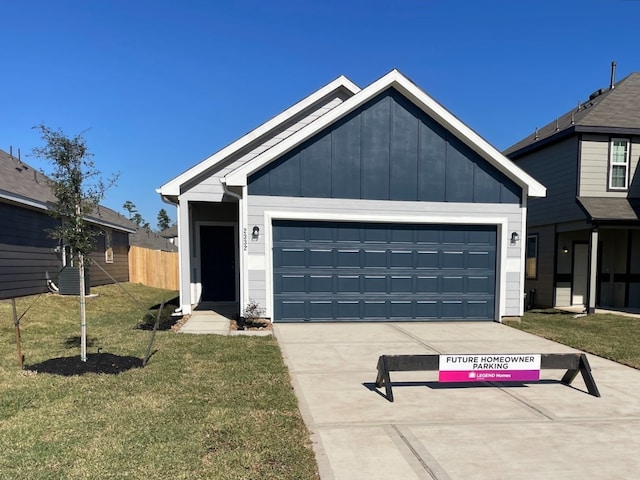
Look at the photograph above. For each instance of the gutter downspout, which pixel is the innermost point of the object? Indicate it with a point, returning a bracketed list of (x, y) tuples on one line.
[(177, 311)]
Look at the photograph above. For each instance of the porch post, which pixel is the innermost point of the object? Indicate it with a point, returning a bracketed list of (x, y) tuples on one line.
[(593, 271), (184, 252)]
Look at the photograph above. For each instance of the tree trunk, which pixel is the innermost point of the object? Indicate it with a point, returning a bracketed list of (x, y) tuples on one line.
[(16, 323), (83, 311)]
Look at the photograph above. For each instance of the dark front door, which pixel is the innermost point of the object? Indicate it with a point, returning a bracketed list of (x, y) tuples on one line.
[(218, 263)]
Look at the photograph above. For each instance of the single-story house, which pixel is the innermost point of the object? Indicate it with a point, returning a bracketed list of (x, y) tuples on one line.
[(147, 238), (30, 261), (373, 204)]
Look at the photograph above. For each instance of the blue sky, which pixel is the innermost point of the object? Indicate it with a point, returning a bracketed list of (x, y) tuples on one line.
[(160, 85)]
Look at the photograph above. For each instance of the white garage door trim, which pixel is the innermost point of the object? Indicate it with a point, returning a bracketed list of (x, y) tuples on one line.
[(501, 224)]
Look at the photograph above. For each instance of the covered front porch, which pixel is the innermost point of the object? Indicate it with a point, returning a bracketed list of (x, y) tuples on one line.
[(598, 262), (210, 268)]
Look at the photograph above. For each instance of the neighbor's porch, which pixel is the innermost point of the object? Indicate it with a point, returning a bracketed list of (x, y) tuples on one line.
[(598, 267)]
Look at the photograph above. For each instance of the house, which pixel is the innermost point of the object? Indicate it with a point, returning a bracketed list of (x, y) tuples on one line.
[(147, 238), (171, 234), (583, 239), (30, 261), (371, 204)]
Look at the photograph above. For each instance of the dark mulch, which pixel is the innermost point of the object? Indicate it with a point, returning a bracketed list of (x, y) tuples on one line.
[(96, 363)]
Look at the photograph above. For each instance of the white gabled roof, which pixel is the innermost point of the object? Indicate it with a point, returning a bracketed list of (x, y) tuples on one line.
[(172, 188), (394, 79)]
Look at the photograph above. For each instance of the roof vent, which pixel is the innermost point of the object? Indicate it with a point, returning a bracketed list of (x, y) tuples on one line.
[(597, 93)]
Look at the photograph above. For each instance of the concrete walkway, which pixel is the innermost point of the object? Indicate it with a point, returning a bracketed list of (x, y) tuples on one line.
[(432, 431), (216, 323), (206, 321)]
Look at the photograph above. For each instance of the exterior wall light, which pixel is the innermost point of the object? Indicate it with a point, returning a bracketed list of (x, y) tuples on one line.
[(255, 233), (514, 238), (565, 249)]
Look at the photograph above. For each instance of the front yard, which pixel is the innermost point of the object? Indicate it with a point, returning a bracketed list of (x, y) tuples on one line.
[(205, 406)]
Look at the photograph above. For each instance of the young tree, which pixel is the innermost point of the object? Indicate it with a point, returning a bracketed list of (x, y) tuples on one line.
[(78, 188), (164, 221)]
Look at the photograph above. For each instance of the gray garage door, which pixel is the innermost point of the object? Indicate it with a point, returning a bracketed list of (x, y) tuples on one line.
[(330, 271)]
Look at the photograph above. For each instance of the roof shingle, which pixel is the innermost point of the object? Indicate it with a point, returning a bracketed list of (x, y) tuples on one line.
[(610, 110), (24, 184)]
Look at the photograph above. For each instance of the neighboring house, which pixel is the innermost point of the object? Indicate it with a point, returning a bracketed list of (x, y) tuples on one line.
[(29, 259), (147, 238), (584, 237), (171, 234), (356, 205)]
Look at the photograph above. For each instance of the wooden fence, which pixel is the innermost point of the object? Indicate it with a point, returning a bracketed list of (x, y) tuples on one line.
[(153, 268)]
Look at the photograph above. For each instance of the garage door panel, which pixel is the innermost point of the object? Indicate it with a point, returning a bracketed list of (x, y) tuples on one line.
[(452, 309), (479, 309), (348, 309), (427, 284), (292, 283), (375, 234), (321, 310), (401, 259), (374, 258), (351, 271), (428, 259), (375, 284), (453, 284), (402, 234), (320, 284), (320, 258), (452, 259), (428, 236), (375, 309), (427, 309), (401, 309), (349, 258), (484, 284), (292, 310), (480, 260), (290, 257), (316, 233), (401, 284), (349, 284)]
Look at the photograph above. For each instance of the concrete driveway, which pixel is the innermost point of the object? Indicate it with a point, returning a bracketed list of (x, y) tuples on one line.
[(543, 430)]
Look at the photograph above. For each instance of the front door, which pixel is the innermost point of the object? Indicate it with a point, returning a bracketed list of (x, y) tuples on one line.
[(218, 263), (580, 273)]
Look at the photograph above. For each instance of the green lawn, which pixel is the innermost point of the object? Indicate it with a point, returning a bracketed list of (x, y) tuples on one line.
[(204, 407), (615, 337)]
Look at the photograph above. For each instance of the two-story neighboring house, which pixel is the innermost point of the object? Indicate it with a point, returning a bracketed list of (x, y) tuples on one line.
[(583, 239)]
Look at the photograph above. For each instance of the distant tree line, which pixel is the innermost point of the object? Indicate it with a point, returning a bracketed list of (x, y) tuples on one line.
[(163, 219)]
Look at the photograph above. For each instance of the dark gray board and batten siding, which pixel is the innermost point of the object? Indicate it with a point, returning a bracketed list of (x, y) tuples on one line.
[(27, 257), (388, 149)]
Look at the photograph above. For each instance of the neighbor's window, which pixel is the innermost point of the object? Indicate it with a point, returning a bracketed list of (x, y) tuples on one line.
[(108, 247), (531, 265), (619, 164)]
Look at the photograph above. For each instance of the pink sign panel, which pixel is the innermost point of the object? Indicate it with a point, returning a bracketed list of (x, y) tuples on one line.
[(489, 368)]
